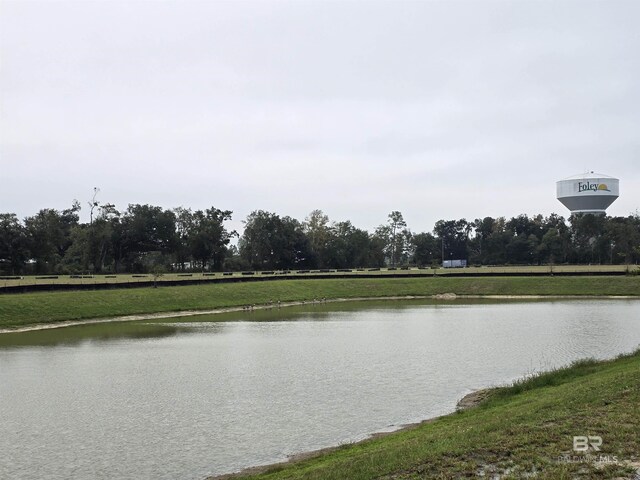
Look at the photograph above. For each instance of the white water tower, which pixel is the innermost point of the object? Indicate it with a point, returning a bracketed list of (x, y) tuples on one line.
[(588, 192)]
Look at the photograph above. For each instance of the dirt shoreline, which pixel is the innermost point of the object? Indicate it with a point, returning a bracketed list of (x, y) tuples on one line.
[(189, 313), (470, 400)]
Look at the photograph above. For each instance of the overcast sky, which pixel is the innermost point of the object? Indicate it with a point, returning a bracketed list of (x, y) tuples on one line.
[(442, 110)]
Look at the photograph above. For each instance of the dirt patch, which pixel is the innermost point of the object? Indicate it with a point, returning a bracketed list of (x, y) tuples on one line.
[(473, 399), (445, 296)]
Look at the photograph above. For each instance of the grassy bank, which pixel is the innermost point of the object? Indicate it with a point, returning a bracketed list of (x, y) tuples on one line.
[(32, 308), (28, 280), (523, 431)]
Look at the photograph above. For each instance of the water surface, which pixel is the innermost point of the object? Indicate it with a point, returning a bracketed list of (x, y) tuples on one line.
[(187, 398)]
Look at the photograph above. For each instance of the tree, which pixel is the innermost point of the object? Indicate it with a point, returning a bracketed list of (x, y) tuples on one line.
[(623, 234), (207, 238), (147, 237), (257, 241), (589, 238), (552, 247), (234, 261), (378, 244), (77, 256), (145, 229), (525, 236), (270, 242), (316, 228), (425, 249), (92, 246), (13, 244), (49, 236), (398, 234), (483, 229), (522, 249), (100, 237), (184, 226), (294, 246), (348, 246), (396, 238), (453, 236), (556, 241), (523, 225)]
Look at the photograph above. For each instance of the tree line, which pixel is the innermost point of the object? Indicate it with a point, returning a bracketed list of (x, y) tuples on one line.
[(147, 238)]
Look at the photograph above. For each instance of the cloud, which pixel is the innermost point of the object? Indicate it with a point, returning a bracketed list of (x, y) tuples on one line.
[(437, 109)]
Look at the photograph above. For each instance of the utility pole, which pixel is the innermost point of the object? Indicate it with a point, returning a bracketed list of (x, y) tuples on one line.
[(93, 204)]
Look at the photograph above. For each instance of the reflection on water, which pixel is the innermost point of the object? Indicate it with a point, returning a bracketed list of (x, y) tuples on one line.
[(97, 332), (196, 396), (162, 327)]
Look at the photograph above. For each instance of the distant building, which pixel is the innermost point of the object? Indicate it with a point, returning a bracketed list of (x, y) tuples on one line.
[(454, 263), (588, 192)]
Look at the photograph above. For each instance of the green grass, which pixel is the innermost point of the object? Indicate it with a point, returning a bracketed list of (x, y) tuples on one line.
[(43, 307), (521, 431)]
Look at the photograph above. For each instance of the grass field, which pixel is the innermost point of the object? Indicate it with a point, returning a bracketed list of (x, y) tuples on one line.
[(125, 278), (44, 307), (523, 431)]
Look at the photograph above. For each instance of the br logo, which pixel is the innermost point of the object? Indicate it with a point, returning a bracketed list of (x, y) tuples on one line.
[(582, 443)]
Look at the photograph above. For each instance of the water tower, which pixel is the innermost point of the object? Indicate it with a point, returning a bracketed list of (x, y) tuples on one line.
[(588, 192)]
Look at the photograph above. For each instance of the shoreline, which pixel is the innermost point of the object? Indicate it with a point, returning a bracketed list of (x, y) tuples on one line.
[(189, 313), (470, 400)]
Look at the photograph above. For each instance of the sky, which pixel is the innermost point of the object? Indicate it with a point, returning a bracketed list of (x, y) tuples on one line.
[(441, 110)]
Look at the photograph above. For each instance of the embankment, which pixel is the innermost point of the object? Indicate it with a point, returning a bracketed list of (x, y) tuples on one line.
[(19, 310)]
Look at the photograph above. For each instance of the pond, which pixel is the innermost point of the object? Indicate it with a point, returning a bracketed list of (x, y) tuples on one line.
[(205, 395)]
